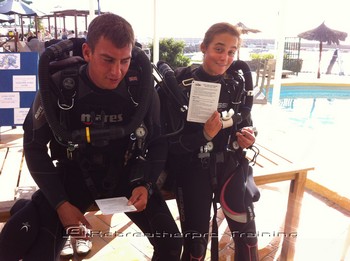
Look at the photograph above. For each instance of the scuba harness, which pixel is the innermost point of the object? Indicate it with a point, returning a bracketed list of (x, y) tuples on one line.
[(139, 81), (238, 82), (79, 137), (174, 100)]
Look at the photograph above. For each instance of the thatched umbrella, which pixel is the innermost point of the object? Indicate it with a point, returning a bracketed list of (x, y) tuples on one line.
[(323, 34), (245, 30)]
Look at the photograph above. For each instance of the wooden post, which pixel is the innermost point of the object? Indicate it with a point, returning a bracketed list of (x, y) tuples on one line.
[(296, 193), (319, 62)]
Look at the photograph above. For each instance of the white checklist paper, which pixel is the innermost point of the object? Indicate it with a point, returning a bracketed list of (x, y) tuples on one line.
[(204, 100), (114, 205)]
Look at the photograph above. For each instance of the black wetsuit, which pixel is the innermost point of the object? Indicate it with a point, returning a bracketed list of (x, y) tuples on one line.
[(104, 165), (200, 173)]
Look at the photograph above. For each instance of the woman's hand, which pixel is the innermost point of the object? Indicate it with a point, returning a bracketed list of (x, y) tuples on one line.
[(213, 125), (245, 137), (139, 198)]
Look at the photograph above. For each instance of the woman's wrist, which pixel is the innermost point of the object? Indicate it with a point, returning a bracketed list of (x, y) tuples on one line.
[(206, 136)]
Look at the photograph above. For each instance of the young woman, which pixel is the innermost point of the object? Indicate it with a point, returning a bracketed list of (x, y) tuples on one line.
[(208, 158)]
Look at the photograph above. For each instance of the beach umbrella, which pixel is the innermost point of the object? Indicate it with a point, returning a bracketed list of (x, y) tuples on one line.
[(6, 19), (10, 7), (245, 29), (322, 34), (20, 8)]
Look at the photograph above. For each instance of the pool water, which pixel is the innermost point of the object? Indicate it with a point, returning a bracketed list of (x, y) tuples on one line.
[(329, 92), (316, 112), (317, 106)]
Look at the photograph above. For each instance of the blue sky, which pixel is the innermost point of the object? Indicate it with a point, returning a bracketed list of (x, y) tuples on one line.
[(191, 18)]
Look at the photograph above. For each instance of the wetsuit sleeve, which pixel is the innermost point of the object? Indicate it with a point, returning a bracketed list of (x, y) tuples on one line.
[(37, 135), (157, 147)]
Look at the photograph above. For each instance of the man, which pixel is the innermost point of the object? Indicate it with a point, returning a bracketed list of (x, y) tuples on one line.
[(105, 165)]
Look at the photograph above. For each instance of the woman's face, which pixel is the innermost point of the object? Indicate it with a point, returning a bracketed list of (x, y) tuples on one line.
[(107, 64), (219, 54)]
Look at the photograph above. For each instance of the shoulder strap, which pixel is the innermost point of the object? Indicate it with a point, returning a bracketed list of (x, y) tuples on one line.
[(68, 84), (133, 81)]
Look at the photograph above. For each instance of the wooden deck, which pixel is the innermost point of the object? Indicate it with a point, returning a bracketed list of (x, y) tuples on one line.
[(128, 246)]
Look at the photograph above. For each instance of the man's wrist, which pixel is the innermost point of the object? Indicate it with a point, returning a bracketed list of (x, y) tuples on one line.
[(149, 187)]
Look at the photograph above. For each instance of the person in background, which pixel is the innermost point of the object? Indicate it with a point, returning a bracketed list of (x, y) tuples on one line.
[(64, 35), (208, 160), (107, 97), (30, 36), (71, 34)]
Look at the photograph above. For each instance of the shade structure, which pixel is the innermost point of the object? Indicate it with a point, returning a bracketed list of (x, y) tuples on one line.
[(6, 19), (323, 34), (10, 7), (17, 7)]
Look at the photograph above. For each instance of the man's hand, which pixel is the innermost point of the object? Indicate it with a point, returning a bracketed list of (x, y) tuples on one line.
[(139, 198), (245, 137), (71, 216)]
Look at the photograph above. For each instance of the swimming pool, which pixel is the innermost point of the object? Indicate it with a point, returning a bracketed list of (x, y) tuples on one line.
[(326, 91), (312, 106)]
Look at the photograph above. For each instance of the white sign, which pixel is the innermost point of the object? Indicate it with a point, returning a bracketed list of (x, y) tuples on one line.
[(19, 114), (9, 100), (24, 83)]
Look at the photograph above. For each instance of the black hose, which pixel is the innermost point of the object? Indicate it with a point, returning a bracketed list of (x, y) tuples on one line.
[(247, 105), (171, 83), (174, 103), (146, 90)]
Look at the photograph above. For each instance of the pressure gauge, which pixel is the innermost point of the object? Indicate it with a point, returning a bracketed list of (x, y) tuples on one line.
[(141, 132), (235, 145), (210, 146)]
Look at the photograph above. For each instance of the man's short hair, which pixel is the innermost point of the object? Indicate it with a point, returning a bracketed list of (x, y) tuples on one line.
[(112, 27)]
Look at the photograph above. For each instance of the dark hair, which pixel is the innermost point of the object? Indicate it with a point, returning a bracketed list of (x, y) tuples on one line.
[(220, 28), (113, 27)]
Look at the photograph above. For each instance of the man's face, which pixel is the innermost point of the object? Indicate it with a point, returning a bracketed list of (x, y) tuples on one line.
[(107, 64)]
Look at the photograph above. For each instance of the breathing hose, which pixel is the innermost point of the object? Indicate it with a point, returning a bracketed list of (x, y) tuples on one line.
[(247, 105)]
